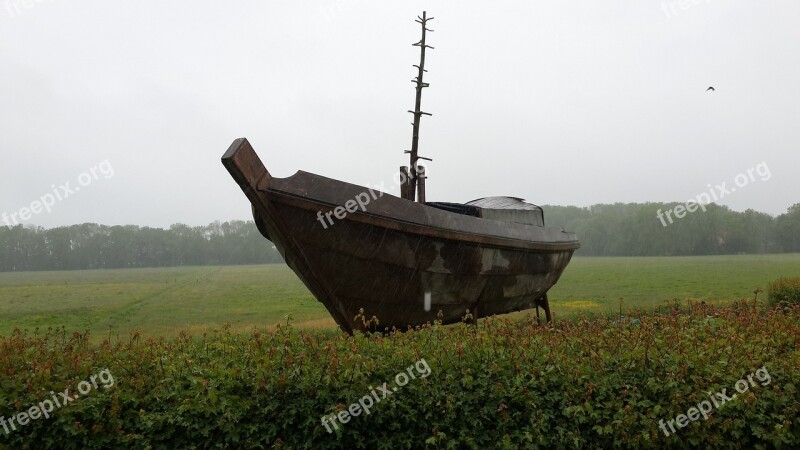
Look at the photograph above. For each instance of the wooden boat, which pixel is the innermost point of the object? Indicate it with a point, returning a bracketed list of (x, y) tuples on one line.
[(365, 253), (400, 260)]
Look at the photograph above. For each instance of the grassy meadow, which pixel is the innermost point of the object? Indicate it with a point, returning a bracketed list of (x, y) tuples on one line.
[(163, 301)]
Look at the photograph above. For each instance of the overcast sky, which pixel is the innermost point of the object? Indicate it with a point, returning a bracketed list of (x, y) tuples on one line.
[(568, 102)]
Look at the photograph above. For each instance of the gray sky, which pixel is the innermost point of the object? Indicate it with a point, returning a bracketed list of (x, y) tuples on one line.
[(569, 102)]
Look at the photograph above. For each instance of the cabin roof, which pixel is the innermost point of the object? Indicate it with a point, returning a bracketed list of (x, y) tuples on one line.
[(503, 203)]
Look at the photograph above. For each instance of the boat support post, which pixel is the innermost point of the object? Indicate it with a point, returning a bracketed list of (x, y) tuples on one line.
[(545, 304)]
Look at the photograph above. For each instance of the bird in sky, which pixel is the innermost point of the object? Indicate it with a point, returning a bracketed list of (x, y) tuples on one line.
[(710, 88)]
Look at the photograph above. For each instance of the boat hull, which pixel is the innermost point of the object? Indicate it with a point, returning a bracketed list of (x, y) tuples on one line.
[(403, 262)]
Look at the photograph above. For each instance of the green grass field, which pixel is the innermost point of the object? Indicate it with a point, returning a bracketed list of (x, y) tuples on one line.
[(161, 302)]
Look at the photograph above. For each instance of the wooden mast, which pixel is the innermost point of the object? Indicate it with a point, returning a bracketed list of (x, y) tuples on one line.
[(416, 173)]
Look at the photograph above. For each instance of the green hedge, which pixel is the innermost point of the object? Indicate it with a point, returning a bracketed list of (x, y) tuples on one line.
[(784, 291), (502, 384)]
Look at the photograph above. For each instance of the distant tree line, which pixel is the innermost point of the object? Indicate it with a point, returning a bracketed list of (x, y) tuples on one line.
[(93, 246), (635, 229), (619, 229)]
